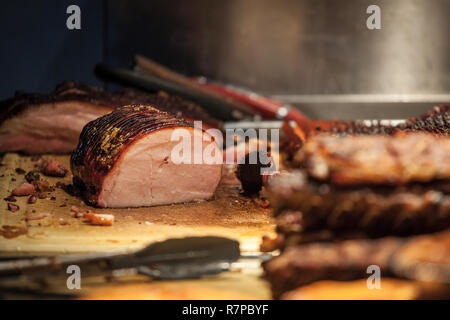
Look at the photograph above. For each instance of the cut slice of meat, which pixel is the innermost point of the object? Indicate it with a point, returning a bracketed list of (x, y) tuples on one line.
[(124, 159), (51, 123)]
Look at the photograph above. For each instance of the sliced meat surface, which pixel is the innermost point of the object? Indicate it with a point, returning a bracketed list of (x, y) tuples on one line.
[(124, 159), (51, 123)]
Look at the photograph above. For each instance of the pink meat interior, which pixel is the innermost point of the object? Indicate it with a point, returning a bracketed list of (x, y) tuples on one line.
[(145, 174)]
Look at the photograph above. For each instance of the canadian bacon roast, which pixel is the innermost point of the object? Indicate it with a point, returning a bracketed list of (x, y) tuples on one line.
[(123, 159), (51, 123)]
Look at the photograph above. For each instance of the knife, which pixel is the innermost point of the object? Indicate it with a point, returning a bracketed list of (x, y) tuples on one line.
[(265, 108), (181, 258), (219, 107)]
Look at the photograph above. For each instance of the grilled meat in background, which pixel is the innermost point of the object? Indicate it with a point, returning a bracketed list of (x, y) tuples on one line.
[(296, 134), (436, 121), (52, 123)]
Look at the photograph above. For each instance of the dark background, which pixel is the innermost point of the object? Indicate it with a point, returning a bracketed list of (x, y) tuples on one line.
[(317, 54), (38, 51)]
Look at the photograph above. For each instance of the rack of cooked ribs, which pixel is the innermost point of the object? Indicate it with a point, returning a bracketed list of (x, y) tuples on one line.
[(353, 200)]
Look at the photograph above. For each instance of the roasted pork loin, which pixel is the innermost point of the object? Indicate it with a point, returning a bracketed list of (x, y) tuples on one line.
[(51, 123), (123, 159)]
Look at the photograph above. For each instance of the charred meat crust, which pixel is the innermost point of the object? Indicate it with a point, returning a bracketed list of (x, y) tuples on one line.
[(437, 121), (104, 140), (74, 91)]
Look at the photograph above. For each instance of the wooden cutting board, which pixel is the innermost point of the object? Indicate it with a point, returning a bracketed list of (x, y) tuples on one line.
[(229, 214)]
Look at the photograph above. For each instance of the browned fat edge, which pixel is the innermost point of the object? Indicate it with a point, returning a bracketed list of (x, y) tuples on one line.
[(104, 140)]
